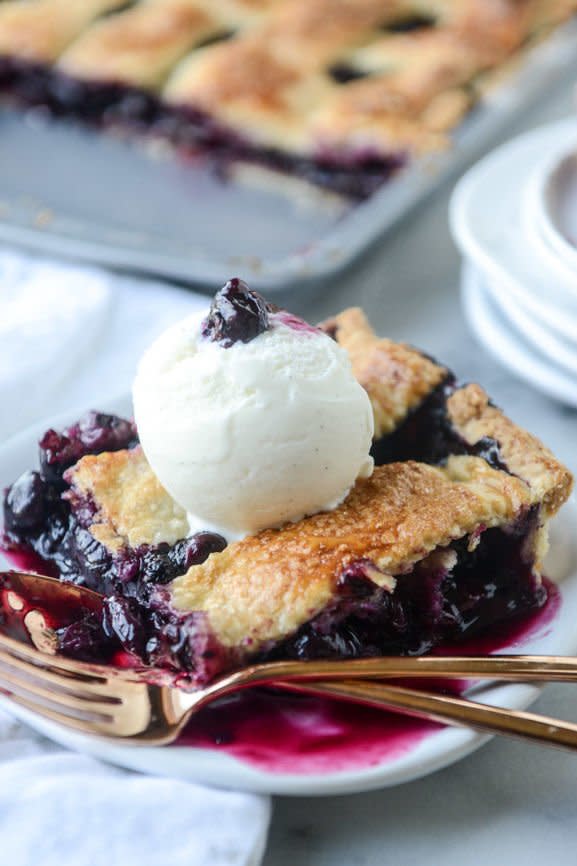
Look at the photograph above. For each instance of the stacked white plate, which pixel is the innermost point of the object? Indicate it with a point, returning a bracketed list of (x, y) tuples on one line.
[(514, 217)]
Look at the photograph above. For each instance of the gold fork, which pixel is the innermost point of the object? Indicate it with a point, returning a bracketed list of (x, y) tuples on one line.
[(123, 704)]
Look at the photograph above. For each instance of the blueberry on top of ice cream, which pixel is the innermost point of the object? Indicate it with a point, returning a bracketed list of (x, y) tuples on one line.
[(236, 314)]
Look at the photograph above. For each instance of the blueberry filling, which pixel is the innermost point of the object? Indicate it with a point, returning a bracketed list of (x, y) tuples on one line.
[(39, 518), (411, 23), (342, 73), (191, 132), (459, 591), (24, 506), (427, 435), (86, 639), (123, 621), (95, 432), (223, 36), (452, 594), (237, 314)]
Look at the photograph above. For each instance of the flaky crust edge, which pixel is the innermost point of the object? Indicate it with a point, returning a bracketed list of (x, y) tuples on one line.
[(396, 377), (473, 416)]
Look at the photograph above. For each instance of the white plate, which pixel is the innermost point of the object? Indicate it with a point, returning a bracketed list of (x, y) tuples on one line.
[(499, 337), (561, 351), (206, 765), (490, 223)]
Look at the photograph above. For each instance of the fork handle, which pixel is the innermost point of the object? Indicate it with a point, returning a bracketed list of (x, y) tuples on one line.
[(517, 668), (447, 709)]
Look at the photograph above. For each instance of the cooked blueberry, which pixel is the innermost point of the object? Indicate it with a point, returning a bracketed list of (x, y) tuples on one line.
[(68, 93), (122, 619), (156, 566), (85, 640), (85, 510), (79, 557), (342, 73), (49, 542), (24, 503), (194, 550), (127, 566), (136, 107), (57, 453), (237, 314), (341, 642), (32, 85), (98, 431), (93, 554), (354, 581), (410, 23), (95, 432), (8, 72), (178, 639), (490, 450)]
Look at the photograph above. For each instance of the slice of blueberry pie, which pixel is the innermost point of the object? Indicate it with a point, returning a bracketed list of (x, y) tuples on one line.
[(290, 492), (338, 92)]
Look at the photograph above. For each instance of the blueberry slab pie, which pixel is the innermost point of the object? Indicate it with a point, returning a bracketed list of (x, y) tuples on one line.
[(290, 492), (340, 93)]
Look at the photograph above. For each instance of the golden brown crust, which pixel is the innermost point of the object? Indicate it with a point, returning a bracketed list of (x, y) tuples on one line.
[(473, 417), (396, 377), (418, 85), (265, 99), (132, 506), (139, 46), (264, 587), (39, 31), (274, 80)]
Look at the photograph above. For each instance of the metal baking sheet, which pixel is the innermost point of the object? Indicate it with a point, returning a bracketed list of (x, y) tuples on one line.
[(95, 197)]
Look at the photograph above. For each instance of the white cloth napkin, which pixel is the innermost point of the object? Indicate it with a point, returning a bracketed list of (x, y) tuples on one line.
[(61, 808), (70, 337)]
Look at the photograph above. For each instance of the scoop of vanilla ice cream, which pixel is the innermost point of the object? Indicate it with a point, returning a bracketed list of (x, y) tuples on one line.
[(257, 434)]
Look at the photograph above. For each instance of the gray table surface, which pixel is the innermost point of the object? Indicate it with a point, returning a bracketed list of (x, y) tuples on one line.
[(508, 803)]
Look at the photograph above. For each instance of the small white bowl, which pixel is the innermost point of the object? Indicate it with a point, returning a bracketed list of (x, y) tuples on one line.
[(559, 350), (519, 294), (508, 345), (550, 204), (493, 211)]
